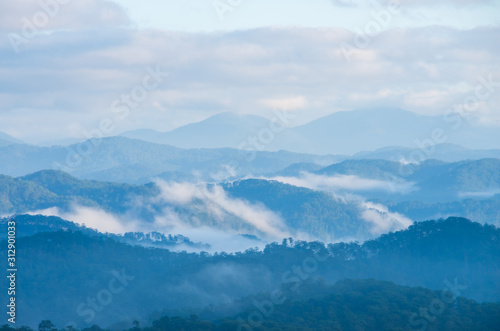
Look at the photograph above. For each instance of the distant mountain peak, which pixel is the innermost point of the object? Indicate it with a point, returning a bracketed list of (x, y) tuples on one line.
[(9, 138), (50, 176)]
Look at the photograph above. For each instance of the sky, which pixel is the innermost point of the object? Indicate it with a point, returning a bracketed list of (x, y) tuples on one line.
[(69, 68)]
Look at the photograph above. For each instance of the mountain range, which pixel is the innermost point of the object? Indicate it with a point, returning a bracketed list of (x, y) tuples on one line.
[(130, 160), (340, 133), (134, 161), (6, 139), (345, 132), (363, 195)]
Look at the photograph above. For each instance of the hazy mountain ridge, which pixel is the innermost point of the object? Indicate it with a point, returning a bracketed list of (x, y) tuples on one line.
[(433, 180), (129, 160), (133, 161), (445, 152), (343, 132), (8, 139)]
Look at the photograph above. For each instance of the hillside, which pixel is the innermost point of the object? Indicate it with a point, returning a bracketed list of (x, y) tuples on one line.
[(5, 138)]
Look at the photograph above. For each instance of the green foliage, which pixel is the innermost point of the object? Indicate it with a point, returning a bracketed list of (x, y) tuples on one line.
[(46, 325)]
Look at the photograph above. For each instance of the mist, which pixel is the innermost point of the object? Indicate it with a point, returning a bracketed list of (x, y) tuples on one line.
[(345, 182)]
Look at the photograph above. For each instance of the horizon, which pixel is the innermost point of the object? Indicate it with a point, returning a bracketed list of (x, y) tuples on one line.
[(66, 141)]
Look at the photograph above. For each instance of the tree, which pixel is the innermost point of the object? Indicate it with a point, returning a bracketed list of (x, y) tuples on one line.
[(46, 325)]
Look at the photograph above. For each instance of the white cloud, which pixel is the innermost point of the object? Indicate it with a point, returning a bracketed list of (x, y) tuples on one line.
[(290, 103), (344, 182), (92, 218), (219, 240), (51, 15), (382, 219), (216, 203), (427, 2), (167, 222)]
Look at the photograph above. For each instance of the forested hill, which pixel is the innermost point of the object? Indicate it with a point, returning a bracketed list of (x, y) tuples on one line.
[(430, 254), (347, 305), (28, 225)]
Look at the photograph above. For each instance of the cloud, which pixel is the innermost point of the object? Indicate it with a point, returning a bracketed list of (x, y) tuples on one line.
[(382, 219), (94, 218), (52, 15), (427, 2), (418, 3), (348, 3), (215, 202), (166, 221), (204, 213), (219, 240), (480, 195), (73, 77), (290, 103), (344, 182)]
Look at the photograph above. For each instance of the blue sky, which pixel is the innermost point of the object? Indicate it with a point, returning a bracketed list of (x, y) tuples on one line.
[(312, 57), (201, 15)]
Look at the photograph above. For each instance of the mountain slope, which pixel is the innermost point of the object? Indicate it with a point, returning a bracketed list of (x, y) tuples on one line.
[(50, 188), (441, 182), (375, 169), (369, 304), (10, 139), (219, 131)]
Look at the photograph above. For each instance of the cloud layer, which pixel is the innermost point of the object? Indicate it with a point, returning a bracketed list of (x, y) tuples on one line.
[(73, 77), (49, 15), (93, 218), (220, 208), (382, 219), (345, 182)]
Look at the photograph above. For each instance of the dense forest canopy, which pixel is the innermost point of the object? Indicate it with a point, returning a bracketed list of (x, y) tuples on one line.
[(431, 254)]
